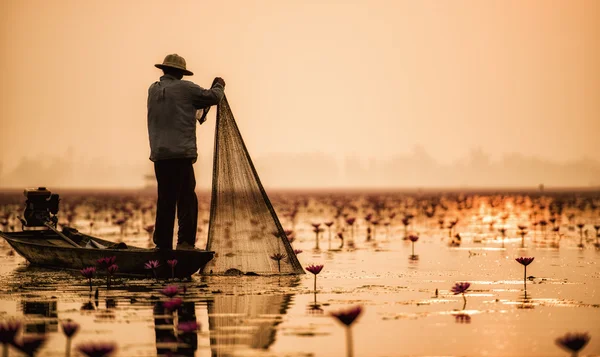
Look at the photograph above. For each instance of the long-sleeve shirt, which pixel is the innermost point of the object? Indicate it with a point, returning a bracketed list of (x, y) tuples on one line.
[(172, 106)]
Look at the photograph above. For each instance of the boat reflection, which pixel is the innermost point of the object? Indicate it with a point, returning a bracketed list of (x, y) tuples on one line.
[(42, 316)]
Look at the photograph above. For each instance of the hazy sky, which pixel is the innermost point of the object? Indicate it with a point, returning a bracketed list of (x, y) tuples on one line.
[(366, 78)]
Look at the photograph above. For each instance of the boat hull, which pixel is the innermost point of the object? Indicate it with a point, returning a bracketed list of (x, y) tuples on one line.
[(37, 248)]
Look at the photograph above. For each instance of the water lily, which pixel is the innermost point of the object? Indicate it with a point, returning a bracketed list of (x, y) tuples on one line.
[(97, 349), (315, 269), (580, 226), (573, 342), (112, 270), (462, 318), (347, 317), (172, 263), (317, 230), (188, 326), (278, 257), (30, 344), (413, 238), (523, 233), (173, 304), (89, 274), (461, 288), (525, 262), (405, 222), (69, 328), (152, 264), (350, 221), (340, 235), (8, 331), (170, 291), (105, 262), (329, 224)]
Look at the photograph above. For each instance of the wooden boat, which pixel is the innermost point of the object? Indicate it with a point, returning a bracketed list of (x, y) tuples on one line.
[(50, 248)]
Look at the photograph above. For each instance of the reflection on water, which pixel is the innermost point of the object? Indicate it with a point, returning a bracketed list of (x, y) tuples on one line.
[(239, 313), (236, 322), (247, 320), (243, 321), (41, 316), (462, 318), (170, 340), (525, 301), (314, 307)]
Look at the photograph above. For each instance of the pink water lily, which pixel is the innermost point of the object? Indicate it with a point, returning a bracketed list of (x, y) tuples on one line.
[(188, 326), (152, 264), (413, 238), (113, 269), (70, 328), (461, 288), (173, 304), (278, 257), (525, 262), (30, 344), (347, 317), (97, 349), (172, 264), (170, 291), (573, 342), (8, 331), (110, 271), (315, 269), (89, 274), (105, 262)]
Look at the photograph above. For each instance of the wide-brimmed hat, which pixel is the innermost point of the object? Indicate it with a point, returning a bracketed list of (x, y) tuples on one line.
[(174, 61)]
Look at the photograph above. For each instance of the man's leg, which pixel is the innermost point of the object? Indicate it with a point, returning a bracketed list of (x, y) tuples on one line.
[(166, 179), (187, 205)]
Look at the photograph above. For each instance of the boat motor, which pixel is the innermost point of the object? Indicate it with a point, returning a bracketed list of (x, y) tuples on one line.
[(41, 207)]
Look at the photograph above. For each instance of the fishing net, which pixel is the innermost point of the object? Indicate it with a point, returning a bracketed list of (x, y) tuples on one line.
[(244, 231)]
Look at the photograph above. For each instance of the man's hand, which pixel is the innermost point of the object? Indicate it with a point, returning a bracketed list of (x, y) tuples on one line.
[(218, 80)]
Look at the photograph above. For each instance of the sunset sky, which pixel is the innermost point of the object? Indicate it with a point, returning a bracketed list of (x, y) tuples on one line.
[(371, 79)]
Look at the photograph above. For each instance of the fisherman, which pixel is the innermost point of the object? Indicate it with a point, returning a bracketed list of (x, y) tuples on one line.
[(172, 107)]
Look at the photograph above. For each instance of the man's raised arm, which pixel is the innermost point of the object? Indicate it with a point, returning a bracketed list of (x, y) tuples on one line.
[(203, 98)]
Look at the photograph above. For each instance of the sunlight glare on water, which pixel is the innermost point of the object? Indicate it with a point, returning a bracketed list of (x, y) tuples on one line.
[(408, 306)]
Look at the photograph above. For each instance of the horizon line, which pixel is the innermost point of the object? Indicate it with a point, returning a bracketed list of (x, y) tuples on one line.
[(350, 189)]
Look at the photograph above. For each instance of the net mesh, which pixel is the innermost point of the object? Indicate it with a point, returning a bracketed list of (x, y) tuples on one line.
[(244, 231)]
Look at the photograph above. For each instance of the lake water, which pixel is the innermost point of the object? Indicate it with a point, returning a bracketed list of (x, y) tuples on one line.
[(408, 308)]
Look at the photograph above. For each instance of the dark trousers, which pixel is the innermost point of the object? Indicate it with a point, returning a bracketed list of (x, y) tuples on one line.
[(176, 189)]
